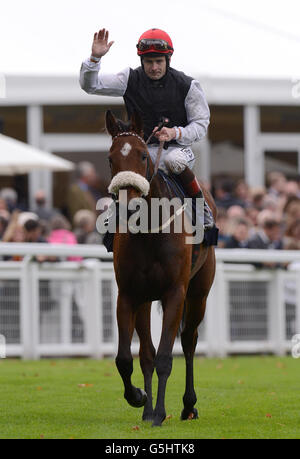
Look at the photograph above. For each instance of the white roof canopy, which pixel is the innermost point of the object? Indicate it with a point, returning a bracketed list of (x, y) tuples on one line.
[(20, 158)]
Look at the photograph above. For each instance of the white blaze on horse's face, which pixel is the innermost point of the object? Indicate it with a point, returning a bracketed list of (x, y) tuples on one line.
[(126, 149), (130, 177)]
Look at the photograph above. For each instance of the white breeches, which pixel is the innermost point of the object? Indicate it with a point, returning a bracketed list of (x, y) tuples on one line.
[(175, 159)]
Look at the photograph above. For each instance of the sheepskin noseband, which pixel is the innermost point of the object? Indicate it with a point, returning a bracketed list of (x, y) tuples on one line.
[(128, 178)]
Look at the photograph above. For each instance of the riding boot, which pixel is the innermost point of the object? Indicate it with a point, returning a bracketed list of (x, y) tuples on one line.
[(193, 189)]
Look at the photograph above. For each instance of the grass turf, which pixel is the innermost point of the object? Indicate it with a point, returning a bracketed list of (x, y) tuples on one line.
[(238, 397)]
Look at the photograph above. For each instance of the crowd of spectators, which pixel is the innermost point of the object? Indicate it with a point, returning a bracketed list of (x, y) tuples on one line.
[(43, 224), (259, 218), (254, 218)]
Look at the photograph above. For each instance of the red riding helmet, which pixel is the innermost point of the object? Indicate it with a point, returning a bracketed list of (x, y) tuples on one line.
[(155, 41)]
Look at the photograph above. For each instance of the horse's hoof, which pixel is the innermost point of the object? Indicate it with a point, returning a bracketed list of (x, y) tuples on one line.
[(158, 420), (189, 414), (148, 414), (148, 418), (139, 400), (156, 423)]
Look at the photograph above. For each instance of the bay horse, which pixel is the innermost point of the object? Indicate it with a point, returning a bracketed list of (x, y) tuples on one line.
[(150, 267)]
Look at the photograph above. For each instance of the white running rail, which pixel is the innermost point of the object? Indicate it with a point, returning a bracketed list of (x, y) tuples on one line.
[(67, 308)]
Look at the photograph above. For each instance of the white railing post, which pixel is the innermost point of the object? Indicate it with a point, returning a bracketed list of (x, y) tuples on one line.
[(217, 323), (35, 307), (65, 311), (223, 307), (297, 321), (29, 319), (211, 320), (25, 312), (276, 313), (114, 291), (94, 309)]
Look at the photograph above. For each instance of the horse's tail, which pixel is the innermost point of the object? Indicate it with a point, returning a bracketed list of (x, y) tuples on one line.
[(181, 325)]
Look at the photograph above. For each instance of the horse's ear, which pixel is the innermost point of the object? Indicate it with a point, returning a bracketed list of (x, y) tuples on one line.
[(137, 123), (111, 124)]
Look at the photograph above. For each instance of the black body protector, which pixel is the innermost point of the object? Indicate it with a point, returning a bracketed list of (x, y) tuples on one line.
[(157, 99)]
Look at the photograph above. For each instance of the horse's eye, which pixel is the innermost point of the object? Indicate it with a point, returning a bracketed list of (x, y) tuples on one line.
[(110, 161), (144, 156)]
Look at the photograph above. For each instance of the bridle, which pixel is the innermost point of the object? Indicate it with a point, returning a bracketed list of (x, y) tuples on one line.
[(161, 145), (160, 148)]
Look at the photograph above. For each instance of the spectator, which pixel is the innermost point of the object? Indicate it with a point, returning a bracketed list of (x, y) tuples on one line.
[(276, 182), (10, 197), (4, 219), (270, 202), (236, 212), (239, 236), (80, 195), (85, 227), (15, 230), (252, 215), (3, 205), (268, 237), (33, 231), (14, 233), (264, 215), (33, 234), (224, 195), (221, 223), (292, 189), (43, 212), (61, 233), (242, 193), (257, 197), (291, 239), (291, 210)]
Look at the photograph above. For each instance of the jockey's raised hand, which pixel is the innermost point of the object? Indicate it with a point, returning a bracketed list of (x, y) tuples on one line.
[(101, 46)]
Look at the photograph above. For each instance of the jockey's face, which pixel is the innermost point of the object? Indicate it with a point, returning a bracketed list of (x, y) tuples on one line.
[(155, 67)]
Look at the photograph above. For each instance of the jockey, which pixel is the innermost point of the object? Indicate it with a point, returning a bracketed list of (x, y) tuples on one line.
[(157, 91)]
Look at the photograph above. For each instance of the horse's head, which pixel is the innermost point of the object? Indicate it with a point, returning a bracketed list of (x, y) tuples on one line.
[(129, 158)]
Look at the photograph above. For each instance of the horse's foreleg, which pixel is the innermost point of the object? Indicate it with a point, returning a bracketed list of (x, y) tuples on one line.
[(126, 321), (147, 354), (173, 307)]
